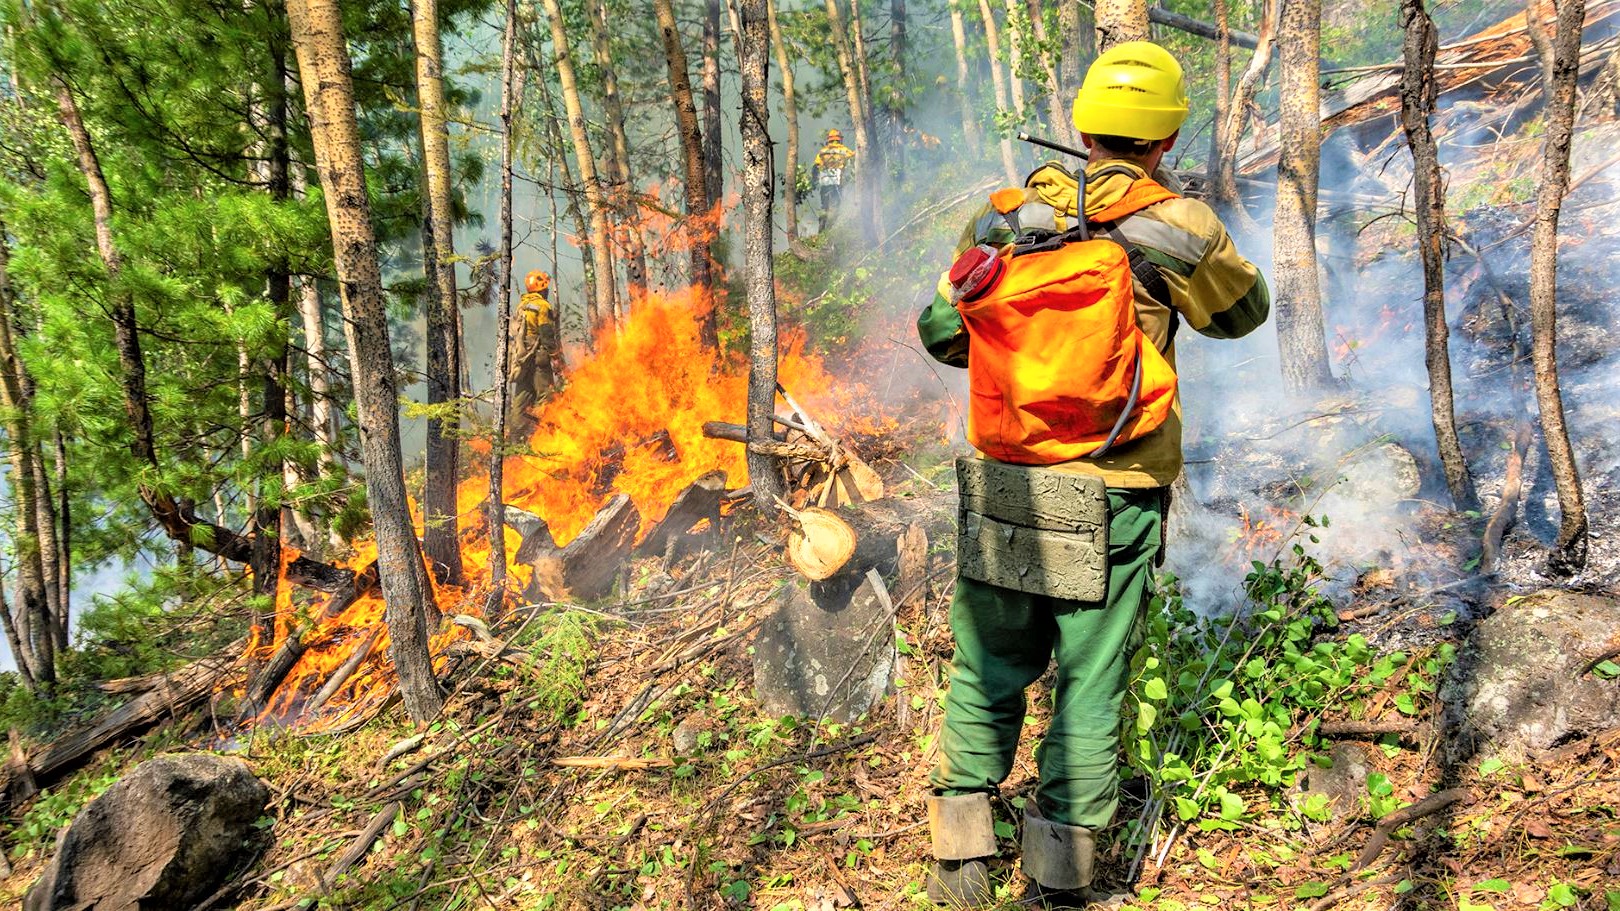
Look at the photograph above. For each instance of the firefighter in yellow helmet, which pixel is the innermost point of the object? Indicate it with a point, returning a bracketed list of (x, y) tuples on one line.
[(831, 169), (1045, 459), (536, 352)]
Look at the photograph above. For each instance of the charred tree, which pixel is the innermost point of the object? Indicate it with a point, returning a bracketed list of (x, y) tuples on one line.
[(1121, 20), (1569, 553), (439, 520), (964, 93), (585, 160), (1428, 191), (758, 277), (790, 111), (621, 180), (1301, 336), (323, 62), (686, 123), (998, 82)]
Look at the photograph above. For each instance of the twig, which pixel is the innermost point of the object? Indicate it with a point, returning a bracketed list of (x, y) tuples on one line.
[(357, 849), (1365, 728), (1405, 816)]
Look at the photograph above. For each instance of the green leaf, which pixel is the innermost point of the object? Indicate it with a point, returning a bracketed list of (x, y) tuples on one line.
[(1231, 806), (1186, 809), (1493, 885), (1560, 895), (1311, 890), (1606, 670), (1490, 766), (1004, 829), (1156, 689), (1146, 714)]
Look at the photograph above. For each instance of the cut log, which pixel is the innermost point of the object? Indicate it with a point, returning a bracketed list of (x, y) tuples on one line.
[(176, 695), (1512, 490), (820, 544), (912, 556), (700, 500), (585, 568)]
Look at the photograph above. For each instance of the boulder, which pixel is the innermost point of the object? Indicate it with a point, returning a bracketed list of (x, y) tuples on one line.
[(167, 835), (1528, 683), (828, 651), (1386, 473)]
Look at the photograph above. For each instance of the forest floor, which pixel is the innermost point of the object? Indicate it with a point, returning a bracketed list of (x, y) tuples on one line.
[(681, 792)]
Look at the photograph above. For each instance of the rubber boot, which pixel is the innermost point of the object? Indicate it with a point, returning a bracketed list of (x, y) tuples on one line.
[(1058, 861), (964, 836)]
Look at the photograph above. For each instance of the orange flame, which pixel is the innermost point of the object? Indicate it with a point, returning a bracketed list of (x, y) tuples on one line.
[(629, 421)]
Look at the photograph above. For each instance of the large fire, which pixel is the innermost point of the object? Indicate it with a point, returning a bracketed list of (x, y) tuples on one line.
[(629, 421)]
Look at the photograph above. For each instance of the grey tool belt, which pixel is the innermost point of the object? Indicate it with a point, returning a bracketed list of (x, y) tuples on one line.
[(1033, 529)]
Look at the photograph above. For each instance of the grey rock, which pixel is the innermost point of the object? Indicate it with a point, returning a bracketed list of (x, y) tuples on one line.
[(165, 836), (827, 652), (1344, 780), (1526, 683), (1384, 473)]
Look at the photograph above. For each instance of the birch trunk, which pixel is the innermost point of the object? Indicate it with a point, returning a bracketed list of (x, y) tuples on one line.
[(860, 118), (1015, 33), (998, 81), (496, 505), (790, 110), (441, 528), (686, 122), (1077, 42), (35, 651), (620, 177), (1428, 191), (1301, 337), (1121, 20), (323, 62), (1570, 551), (1057, 112), (1225, 191), (761, 284), (964, 94), (713, 147), (596, 205)]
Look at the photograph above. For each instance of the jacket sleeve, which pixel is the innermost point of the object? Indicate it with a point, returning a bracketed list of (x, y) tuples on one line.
[(1217, 291), (941, 330)]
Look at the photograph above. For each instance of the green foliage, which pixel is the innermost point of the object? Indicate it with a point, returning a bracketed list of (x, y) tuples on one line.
[(55, 807), (1223, 710)]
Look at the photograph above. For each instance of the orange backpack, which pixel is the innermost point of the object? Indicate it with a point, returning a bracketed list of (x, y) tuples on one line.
[(1057, 366)]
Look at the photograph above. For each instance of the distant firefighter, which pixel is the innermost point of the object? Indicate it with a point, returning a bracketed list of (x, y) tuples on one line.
[(536, 355), (830, 166)]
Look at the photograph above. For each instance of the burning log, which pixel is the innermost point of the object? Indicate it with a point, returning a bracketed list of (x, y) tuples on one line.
[(585, 568), (174, 695), (319, 576), (344, 672), (700, 500), (661, 443), (293, 647)]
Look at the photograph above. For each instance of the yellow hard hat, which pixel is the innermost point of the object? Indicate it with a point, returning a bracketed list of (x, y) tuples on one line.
[(1133, 90), (834, 136)]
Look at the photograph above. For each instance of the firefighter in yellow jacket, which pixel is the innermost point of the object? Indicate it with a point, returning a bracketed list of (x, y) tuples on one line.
[(535, 355), (1046, 460), (831, 169)]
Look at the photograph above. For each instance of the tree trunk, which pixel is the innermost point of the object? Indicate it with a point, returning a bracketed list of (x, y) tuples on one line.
[(758, 276), (576, 205), (858, 117), (621, 180), (964, 94), (1223, 90), (21, 648), (1057, 110), (686, 122), (323, 61), (601, 251), (440, 525), (998, 81), (1300, 333), (1225, 192), (1428, 191), (1121, 20), (713, 146), (1569, 553), (790, 110), (496, 505), (38, 648), (1016, 35)]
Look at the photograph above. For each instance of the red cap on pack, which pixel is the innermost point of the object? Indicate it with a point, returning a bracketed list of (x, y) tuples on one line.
[(975, 271)]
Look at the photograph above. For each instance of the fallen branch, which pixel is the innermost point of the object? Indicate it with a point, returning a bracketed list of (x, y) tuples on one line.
[(361, 846), (1512, 491), (1365, 728), (616, 763), (1386, 827), (1200, 28), (344, 672)]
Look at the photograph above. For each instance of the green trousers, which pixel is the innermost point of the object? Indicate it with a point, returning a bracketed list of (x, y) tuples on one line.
[(1004, 641)]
